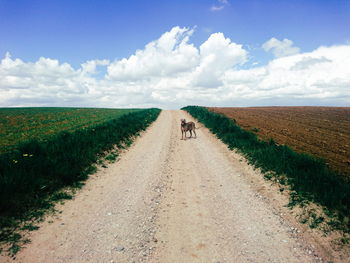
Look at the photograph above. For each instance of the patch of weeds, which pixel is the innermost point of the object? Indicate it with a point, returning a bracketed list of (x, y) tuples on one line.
[(255, 130), (303, 220), (315, 220), (345, 240), (269, 175), (112, 157), (91, 170), (38, 213), (14, 248), (101, 162), (282, 179), (295, 199), (128, 142), (121, 146), (61, 196), (14, 237), (328, 213), (334, 224), (26, 241), (29, 227), (77, 185)]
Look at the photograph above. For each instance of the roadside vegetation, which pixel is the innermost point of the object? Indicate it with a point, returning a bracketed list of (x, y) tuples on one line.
[(33, 172), (307, 178)]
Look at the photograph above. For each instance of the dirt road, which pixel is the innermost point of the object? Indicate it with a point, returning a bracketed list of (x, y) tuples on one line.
[(171, 200)]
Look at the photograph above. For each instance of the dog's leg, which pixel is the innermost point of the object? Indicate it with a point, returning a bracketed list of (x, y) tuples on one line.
[(182, 134), (190, 133), (195, 132)]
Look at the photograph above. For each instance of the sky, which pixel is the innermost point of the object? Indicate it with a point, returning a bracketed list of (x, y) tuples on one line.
[(170, 54)]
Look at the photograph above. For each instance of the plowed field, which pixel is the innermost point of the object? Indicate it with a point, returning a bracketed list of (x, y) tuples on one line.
[(321, 131)]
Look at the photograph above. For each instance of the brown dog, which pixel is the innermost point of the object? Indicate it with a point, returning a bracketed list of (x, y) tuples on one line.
[(187, 126)]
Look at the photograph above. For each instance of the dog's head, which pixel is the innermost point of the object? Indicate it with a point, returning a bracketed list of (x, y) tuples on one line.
[(183, 121)]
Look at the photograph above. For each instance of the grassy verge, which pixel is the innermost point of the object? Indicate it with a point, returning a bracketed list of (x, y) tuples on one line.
[(32, 174), (308, 178)]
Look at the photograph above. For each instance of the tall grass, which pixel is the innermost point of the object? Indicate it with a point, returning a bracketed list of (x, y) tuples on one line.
[(308, 176), (36, 169)]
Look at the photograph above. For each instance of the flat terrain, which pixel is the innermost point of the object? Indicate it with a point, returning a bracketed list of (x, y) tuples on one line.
[(22, 124), (172, 200), (321, 131)]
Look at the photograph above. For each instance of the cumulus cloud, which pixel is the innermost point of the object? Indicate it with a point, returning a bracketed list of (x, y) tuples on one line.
[(171, 72), (90, 67), (280, 48), (217, 54), (168, 55), (308, 62), (317, 77)]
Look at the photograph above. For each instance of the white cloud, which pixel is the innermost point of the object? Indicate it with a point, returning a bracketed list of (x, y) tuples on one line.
[(217, 55), (170, 72), (90, 67), (221, 4), (280, 48), (168, 55), (294, 80), (217, 8)]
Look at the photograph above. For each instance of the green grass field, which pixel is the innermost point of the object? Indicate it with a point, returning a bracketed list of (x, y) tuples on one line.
[(44, 150), (18, 125)]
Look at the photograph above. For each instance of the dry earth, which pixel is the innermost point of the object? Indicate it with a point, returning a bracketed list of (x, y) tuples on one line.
[(172, 200), (321, 131)]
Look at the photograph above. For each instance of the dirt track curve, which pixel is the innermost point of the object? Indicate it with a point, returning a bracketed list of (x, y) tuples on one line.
[(171, 200)]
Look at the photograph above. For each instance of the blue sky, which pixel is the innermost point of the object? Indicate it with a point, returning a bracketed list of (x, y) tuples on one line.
[(76, 31), (172, 53)]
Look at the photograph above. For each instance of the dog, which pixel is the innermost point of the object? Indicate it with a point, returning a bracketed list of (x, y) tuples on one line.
[(187, 126)]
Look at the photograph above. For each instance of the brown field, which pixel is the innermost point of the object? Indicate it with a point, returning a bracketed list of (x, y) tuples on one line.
[(321, 131)]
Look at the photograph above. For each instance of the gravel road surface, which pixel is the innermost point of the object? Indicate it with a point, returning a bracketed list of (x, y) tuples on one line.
[(171, 200)]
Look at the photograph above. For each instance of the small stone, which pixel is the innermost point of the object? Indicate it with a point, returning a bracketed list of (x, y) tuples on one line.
[(119, 248)]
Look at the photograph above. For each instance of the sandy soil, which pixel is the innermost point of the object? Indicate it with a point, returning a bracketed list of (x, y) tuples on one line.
[(172, 200)]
